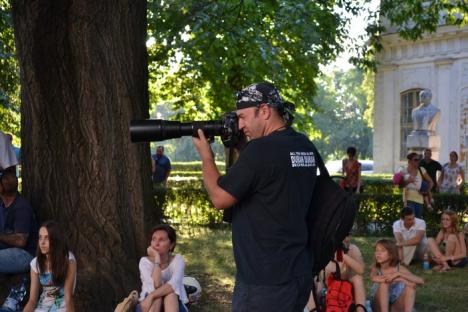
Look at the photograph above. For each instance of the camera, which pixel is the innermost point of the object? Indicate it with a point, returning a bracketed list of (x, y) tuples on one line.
[(159, 130)]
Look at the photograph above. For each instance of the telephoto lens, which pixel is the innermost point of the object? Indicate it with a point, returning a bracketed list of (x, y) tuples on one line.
[(159, 130)]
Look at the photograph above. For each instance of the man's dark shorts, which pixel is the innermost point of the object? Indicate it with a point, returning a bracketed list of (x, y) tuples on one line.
[(288, 297)]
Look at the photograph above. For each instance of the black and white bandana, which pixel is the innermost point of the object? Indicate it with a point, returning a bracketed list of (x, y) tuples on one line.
[(259, 93)]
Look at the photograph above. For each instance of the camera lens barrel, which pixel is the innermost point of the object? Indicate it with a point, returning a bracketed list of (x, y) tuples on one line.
[(159, 130)]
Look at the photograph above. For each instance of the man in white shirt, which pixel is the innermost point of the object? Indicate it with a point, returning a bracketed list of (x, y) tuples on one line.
[(7, 153), (410, 235)]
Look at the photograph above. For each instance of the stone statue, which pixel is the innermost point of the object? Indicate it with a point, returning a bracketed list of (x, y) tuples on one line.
[(425, 118), (426, 115)]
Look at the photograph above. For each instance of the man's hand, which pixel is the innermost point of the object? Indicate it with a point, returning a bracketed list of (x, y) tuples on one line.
[(203, 146), (18, 240)]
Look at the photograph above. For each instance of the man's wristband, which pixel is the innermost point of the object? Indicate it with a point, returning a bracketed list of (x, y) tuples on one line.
[(157, 263)]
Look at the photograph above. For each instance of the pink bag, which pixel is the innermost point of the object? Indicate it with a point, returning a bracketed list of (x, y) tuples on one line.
[(398, 178)]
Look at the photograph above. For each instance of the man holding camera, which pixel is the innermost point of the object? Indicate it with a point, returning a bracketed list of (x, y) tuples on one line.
[(270, 188)]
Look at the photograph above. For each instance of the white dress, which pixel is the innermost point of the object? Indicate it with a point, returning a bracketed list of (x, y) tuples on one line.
[(52, 297)]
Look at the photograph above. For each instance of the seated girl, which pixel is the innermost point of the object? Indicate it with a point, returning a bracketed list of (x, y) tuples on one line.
[(352, 267), (394, 284), (53, 270), (448, 249), (162, 274)]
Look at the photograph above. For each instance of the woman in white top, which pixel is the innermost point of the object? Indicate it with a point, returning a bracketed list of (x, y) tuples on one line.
[(53, 271), (162, 274), (452, 177)]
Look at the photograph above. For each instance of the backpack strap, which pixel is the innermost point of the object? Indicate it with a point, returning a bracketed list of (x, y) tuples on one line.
[(337, 273)]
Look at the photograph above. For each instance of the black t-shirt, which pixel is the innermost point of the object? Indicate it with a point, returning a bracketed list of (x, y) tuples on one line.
[(19, 218), (273, 181), (431, 167)]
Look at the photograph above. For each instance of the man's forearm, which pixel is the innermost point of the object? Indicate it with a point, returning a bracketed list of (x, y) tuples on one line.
[(16, 239), (210, 176), (413, 241)]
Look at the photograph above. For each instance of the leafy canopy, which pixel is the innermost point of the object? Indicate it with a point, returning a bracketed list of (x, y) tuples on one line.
[(412, 19), (342, 98), (204, 51), (9, 75)]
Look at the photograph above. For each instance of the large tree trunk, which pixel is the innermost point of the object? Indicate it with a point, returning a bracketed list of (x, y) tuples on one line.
[(83, 69)]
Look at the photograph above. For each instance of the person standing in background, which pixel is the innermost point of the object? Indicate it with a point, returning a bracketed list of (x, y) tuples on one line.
[(453, 176), (161, 167), (431, 166), (351, 171), (413, 178), (8, 158)]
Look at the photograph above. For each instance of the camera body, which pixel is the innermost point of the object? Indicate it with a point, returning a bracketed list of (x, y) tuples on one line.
[(158, 130)]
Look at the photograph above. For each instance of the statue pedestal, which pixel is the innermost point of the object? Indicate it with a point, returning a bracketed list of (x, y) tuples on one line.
[(418, 141)]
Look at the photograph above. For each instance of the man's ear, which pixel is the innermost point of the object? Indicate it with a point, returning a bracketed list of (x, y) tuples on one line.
[(265, 111)]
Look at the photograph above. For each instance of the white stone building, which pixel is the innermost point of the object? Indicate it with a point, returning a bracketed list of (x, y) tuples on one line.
[(438, 62)]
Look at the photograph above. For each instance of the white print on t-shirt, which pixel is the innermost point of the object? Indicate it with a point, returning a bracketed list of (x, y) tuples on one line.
[(302, 159)]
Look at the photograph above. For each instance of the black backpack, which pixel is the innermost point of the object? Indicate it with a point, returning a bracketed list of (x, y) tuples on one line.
[(330, 219)]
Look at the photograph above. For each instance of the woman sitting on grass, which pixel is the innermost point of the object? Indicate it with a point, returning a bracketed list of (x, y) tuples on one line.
[(53, 270), (393, 285), (162, 274), (448, 249)]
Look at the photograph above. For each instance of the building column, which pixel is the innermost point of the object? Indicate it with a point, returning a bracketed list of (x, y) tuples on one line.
[(385, 99), (444, 98)]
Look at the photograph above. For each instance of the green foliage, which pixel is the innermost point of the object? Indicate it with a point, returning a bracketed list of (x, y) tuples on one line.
[(193, 166), (342, 99), (412, 19), (186, 202), (183, 150), (187, 205), (9, 74), (204, 51), (377, 212)]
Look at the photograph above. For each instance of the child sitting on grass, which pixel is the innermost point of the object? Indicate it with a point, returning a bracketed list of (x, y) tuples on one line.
[(394, 284)]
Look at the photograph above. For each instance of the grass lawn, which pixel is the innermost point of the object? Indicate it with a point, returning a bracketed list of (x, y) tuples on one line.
[(208, 253)]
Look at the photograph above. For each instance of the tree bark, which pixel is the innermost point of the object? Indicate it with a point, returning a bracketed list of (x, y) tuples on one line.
[(83, 71)]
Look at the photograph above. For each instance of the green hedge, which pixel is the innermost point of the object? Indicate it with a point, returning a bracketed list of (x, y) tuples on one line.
[(190, 205), (194, 166), (187, 205), (377, 212)]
